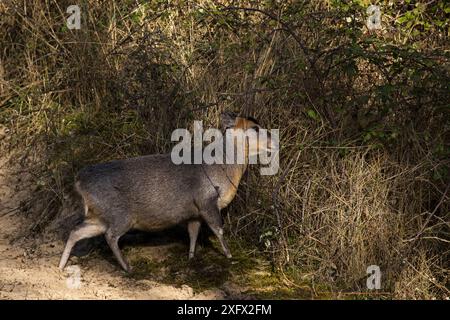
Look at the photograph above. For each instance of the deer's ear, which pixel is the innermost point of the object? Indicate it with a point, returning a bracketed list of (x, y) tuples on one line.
[(228, 120)]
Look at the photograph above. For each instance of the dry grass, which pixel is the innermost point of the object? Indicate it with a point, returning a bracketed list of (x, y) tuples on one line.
[(358, 185)]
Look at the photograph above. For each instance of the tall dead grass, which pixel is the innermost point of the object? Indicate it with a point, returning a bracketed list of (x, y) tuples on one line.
[(347, 196)]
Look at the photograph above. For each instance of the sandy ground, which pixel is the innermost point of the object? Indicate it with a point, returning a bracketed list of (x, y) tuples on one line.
[(33, 274), (28, 268)]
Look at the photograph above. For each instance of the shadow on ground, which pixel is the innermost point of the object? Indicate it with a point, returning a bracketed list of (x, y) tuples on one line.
[(163, 257)]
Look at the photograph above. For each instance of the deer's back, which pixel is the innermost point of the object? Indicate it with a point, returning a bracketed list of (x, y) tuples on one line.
[(155, 192)]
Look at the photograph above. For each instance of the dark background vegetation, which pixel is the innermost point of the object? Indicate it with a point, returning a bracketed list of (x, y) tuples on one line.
[(363, 118)]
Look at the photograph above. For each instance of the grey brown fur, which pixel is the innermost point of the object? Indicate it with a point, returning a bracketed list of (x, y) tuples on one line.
[(151, 193)]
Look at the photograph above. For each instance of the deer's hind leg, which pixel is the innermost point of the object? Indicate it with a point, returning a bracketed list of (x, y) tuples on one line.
[(112, 238), (88, 229), (119, 223)]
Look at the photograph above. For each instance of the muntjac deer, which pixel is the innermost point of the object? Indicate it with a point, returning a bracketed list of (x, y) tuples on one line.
[(152, 193)]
